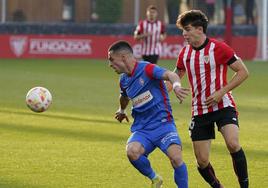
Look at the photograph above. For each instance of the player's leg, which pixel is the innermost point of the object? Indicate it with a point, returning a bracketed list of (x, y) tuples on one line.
[(138, 148), (174, 153), (230, 133), (202, 131), (229, 128), (170, 144), (201, 151)]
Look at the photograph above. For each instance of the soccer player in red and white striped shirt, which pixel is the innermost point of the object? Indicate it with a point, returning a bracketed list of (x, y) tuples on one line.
[(206, 61), (151, 32)]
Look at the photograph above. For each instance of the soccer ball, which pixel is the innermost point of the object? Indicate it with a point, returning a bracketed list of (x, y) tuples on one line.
[(38, 99)]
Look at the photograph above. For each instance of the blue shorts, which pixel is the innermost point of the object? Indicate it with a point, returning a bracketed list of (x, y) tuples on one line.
[(161, 137)]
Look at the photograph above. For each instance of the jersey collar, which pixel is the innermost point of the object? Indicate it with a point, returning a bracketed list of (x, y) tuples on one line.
[(151, 21), (135, 66), (202, 46)]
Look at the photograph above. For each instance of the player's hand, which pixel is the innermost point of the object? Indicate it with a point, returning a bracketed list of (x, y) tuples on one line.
[(147, 34), (181, 93), (214, 99), (162, 38), (121, 116)]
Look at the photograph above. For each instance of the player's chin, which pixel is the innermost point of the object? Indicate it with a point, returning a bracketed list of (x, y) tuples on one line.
[(188, 41)]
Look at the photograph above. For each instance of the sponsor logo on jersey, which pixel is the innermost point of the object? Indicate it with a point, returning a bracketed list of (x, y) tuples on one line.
[(141, 81), (142, 99)]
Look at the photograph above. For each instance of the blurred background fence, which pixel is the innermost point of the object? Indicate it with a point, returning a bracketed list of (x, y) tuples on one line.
[(119, 17), (123, 11)]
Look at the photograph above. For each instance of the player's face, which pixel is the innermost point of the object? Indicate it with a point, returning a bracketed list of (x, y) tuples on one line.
[(116, 62), (192, 35), (151, 14)]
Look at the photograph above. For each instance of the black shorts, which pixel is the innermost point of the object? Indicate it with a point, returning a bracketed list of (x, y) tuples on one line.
[(151, 58), (202, 126)]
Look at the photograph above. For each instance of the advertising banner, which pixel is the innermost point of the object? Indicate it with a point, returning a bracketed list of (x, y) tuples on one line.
[(95, 46)]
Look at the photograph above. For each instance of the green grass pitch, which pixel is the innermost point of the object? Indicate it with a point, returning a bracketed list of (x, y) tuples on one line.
[(77, 143)]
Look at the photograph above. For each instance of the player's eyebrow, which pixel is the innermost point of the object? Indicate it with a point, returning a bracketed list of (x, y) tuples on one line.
[(186, 27)]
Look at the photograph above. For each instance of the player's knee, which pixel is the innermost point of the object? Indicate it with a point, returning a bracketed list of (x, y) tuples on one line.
[(176, 160), (202, 161), (133, 152), (175, 155), (233, 146)]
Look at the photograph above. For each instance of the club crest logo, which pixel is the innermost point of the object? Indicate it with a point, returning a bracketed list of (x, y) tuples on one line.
[(141, 81), (18, 45), (206, 59)]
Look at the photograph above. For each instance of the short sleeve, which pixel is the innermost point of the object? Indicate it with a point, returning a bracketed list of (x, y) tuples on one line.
[(226, 54), (179, 64), (163, 28), (139, 28), (154, 72)]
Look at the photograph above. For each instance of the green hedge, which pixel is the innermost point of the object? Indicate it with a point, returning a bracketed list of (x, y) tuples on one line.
[(109, 11)]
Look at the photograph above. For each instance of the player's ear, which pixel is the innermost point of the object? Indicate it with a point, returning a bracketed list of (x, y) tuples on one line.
[(200, 29), (124, 57)]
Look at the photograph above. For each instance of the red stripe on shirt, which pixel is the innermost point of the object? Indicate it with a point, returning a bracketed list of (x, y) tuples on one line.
[(179, 63), (162, 89), (190, 76), (141, 29), (149, 70), (207, 77)]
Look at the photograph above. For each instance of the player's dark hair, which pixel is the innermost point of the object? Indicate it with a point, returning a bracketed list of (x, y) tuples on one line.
[(194, 18), (151, 7), (120, 46)]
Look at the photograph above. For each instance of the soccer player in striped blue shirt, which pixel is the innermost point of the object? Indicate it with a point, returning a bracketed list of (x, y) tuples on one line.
[(153, 127)]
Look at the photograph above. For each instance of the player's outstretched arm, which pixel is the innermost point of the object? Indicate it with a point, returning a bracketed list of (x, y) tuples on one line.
[(174, 79), (180, 73), (120, 114)]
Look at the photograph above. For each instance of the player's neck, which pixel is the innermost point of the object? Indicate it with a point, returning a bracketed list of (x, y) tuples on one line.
[(151, 20), (200, 42), (131, 67)]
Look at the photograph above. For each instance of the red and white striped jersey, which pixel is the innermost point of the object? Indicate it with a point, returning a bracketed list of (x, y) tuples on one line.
[(206, 68), (151, 45)]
